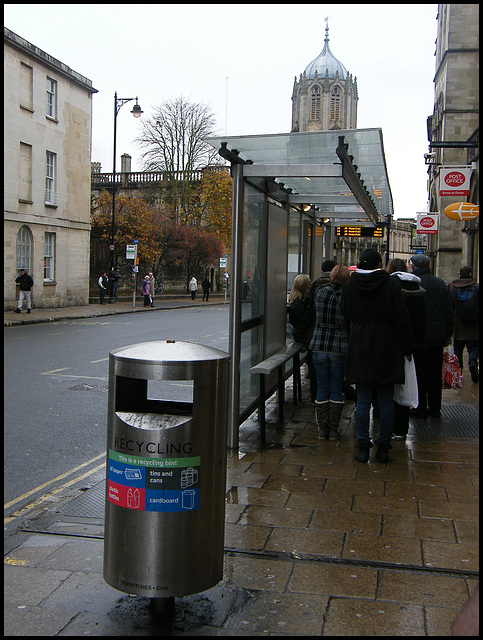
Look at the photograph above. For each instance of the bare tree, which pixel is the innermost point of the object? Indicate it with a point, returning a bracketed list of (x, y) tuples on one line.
[(172, 138)]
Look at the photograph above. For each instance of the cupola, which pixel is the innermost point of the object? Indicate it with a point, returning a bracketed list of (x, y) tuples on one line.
[(326, 64)]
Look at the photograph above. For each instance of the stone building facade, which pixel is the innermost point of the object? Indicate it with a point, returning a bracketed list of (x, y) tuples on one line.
[(453, 135), (47, 174)]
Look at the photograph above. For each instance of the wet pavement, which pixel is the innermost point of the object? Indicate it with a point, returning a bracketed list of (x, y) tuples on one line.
[(316, 543)]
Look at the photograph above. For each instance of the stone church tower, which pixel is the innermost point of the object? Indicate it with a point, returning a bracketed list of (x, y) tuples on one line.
[(325, 97)]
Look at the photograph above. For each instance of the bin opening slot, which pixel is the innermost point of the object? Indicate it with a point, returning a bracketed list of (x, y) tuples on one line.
[(177, 390), (132, 395)]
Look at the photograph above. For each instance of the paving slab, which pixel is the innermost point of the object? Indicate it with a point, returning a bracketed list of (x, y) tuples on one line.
[(315, 542)]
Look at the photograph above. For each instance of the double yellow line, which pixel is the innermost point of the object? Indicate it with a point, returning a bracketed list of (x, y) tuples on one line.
[(39, 501)]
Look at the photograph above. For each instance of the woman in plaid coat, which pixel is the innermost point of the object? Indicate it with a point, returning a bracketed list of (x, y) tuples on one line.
[(329, 346)]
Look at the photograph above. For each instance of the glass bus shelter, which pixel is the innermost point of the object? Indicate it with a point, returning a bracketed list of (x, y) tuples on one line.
[(290, 192)]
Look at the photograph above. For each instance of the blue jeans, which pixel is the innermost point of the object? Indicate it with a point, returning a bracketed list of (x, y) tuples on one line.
[(472, 347), (329, 370), (386, 407)]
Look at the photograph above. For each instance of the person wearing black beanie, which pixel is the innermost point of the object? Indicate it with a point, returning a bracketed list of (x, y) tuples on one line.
[(380, 337)]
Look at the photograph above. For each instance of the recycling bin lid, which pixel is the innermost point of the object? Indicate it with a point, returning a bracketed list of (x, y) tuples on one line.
[(166, 351)]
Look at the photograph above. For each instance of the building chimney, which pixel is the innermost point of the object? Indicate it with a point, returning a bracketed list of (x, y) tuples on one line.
[(126, 163)]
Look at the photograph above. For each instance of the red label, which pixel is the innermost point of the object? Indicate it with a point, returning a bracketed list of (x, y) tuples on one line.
[(129, 497), (454, 179), (426, 222)]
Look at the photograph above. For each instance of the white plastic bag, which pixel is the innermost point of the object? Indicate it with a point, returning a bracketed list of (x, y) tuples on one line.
[(407, 394)]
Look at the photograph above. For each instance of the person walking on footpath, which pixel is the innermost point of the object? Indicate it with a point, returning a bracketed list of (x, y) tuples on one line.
[(152, 282), (414, 298), (466, 298), (114, 282), (25, 282), (206, 286), (329, 347), (302, 324), (380, 337), (102, 283), (193, 287), (145, 290), (428, 358)]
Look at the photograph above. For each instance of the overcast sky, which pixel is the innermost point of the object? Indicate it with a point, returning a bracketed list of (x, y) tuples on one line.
[(241, 59)]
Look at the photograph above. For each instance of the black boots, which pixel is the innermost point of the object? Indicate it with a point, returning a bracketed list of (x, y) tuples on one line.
[(381, 454), (363, 454), (327, 417), (322, 418), (335, 412)]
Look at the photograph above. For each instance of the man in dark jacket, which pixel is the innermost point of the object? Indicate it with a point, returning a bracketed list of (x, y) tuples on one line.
[(25, 283), (467, 323), (428, 358), (379, 338), (206, 286)]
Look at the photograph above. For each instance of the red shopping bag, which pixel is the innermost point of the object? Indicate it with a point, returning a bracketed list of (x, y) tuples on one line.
[(452, 377)]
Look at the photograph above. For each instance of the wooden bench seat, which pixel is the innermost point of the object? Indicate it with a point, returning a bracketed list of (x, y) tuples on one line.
[(276, 362)]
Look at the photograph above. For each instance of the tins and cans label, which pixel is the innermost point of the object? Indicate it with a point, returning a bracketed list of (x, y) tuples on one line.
[(153, 484)]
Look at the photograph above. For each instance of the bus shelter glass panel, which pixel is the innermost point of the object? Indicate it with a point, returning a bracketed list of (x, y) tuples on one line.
[(253, 292), (250, 342), (293, 262), (253, 256)]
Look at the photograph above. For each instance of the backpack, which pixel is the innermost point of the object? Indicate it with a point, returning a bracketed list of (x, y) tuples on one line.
[(467, 303)]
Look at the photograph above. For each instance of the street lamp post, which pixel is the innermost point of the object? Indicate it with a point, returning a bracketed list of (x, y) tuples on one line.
[(136, 111)]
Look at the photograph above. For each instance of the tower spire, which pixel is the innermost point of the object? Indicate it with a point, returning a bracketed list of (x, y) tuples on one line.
[(326, 20)]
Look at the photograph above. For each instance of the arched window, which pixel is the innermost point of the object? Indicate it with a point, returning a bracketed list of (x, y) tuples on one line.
[(315, 105), (335, 103), (24, 249)]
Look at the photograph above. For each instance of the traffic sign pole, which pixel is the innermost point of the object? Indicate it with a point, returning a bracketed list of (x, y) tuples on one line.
[(135, 275)]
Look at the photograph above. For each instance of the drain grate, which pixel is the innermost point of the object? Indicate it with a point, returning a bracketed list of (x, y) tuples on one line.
[(90, 504), (457, 421)]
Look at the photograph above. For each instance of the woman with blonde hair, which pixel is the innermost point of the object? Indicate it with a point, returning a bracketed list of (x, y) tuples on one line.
[(301, 323), (299, 288)]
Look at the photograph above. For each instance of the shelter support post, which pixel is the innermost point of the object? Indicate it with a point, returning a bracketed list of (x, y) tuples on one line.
[(236, 302)]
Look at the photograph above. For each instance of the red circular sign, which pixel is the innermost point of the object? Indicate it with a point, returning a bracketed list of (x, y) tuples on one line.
[(426, 222), (454, 179)]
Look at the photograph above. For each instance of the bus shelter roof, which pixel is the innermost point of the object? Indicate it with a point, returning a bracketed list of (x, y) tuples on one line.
[(339, 175)]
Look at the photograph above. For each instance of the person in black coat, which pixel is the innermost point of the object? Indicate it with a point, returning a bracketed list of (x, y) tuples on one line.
[(206, 286), (428, 357), (413, 295), (466, 327), (379, 338), (25, 282)]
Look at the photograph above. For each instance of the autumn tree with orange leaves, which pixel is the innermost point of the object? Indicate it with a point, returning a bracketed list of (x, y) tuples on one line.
[(165, 246), (134, 220), (215, 202)]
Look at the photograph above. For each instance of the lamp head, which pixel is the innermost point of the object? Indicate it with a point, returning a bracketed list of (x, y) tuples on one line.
[(136, 110)]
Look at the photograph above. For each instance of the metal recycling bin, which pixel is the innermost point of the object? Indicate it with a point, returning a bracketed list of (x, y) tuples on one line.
[(166, 470)]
